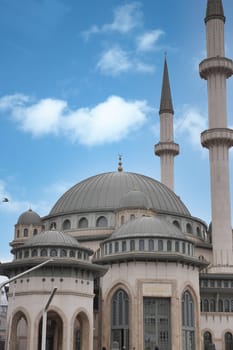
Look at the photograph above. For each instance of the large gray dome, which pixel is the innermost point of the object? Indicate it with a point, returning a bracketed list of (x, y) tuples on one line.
[(105, 191), (147, 226), (52, 238), (135, 199), (29, 217)]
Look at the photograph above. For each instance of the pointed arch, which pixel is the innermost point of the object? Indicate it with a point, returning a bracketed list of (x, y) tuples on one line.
[(188, 320), (81, 326), (20, 331)]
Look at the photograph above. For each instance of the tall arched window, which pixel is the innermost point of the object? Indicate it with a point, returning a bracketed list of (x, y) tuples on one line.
[(120, 319), (188, 321), (83, 223), (176, 223), (228, 341), (66, 225), (207, 339), (25, 232), (189, 228), (102, 222)]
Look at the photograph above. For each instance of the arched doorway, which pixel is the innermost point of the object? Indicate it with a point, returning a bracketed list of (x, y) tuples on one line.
[(19, 332), (120, 320), (54, 332), (81, 332)]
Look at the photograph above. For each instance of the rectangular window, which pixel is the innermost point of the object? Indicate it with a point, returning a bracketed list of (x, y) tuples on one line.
[(123, 246), (132, 245), (141, 244)]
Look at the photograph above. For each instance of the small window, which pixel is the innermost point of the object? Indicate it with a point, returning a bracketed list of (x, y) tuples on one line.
[(198, 232), (72, 253), (35, 231), (25, 232), (169, 246), (66, 225), (220, 305), (116, 247), (212, 305), (160, 244), (132, 245), (228, 341), (83, 223), (53, 252), (17, 233), (226, 305), (123, 246), (207, 340), (53, 226), (141, 244), (122, 220), (34, 252), (183, 248), (189, 228), (176, 224), (63, 253), (206, 305), (26, 254), (110, 248), (151, 245), (43, 252), (79, 254), (101, 222), (177, 246), (132, 217)]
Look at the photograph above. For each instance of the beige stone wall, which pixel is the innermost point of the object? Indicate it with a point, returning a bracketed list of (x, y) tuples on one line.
[(141, 279)]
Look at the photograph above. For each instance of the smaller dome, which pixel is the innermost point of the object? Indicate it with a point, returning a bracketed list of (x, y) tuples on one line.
[(52, 238), (135, 199), (148, 226), (29, 217)]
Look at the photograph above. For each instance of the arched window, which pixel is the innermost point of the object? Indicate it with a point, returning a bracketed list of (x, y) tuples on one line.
[(177, 246), (169, 246), (34, 252), (35, 231), (132, 217), (188, 321), (72, 254), (151, 245), (189, 228), (43, 252), (198, 232), (102, 222), (176, 223), (132, 245), (160, 244), (212, 305), (63, 253), (228, 341), (207, 340), (26, 254), (66, 225), (220, 305), (53, 252), (17, 233), (53, 226), (25, 232), (120, 319), (226, 305), (83, 223), (122, 220)]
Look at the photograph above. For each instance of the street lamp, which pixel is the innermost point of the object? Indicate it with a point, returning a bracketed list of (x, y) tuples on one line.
[(44, 320)]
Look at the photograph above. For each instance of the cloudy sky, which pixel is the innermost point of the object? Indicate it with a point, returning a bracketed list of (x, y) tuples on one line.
[(80, 83)]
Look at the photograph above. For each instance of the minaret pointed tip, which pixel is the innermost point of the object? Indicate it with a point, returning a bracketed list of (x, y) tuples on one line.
[(166, 98)]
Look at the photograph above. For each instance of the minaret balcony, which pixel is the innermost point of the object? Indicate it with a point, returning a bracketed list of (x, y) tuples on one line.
[(214, 65), (167, 148), (216, 137)]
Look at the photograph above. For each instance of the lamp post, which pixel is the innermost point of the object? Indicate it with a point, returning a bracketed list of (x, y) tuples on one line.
[(44, 320)]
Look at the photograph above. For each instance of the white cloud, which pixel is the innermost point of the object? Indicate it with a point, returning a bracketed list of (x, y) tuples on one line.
[(126, 18), (109, 121), (147, 41), (191, 123), (115, 61)]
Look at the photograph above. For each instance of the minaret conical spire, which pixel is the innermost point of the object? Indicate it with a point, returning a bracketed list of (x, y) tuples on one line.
[(166, 98), (166, 149), (214, 9)]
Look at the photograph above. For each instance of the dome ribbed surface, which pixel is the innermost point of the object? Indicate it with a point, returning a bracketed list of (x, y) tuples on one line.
[(29, 218), (148, 226), (52, 238), (105, 191), (135, 199)]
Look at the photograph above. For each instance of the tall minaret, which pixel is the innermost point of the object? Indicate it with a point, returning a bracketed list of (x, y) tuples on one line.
[(216, 68), (166, 149)]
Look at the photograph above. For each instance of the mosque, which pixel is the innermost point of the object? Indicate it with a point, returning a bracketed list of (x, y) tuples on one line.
[(130, 266)]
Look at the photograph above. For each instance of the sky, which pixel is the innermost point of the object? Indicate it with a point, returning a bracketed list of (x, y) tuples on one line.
[(80, 83)]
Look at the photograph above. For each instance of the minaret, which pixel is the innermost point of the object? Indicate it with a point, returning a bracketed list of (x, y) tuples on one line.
[(216, 68), (166, 149)]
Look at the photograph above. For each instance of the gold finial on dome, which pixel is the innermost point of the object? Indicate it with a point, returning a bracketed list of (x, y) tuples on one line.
[(120, 169)]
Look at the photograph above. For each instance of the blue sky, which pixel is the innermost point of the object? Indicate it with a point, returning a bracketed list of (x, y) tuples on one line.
[(80, 82)]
